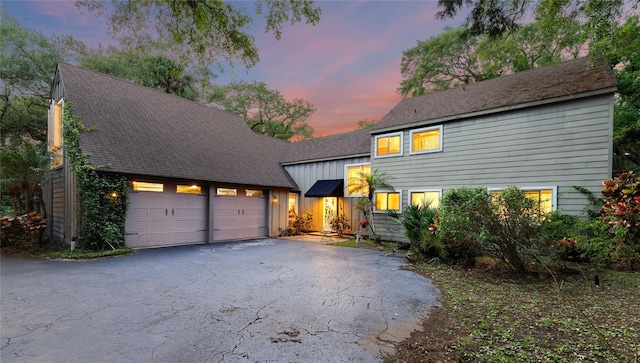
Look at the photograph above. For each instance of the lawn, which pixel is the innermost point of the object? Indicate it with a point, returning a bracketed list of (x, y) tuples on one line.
[(489, 315)]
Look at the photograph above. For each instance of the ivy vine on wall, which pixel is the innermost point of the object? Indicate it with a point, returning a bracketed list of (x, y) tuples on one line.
[(102, 197)]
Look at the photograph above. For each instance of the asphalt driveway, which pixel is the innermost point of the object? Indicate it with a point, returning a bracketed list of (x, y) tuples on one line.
[(256, 301)]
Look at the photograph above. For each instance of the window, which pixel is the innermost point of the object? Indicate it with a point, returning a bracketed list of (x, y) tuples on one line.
[(430, 198), (355, 185), (388, 201), (147, 187), (426, 140), (253, 193), (389, 145), (226, 191), (188, 189), (54, 137), (293, 205), (544, 196)]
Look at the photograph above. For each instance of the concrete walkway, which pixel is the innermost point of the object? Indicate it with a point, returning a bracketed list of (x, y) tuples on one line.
[(266, 300)]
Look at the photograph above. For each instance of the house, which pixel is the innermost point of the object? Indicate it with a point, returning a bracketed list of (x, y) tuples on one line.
[(199, 174)]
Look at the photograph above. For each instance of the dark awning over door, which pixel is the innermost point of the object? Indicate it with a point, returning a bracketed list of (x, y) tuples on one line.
[(326, 188)]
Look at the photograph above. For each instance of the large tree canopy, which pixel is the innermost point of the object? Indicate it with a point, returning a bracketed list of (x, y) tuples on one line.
[(496, 17), (456, 56), (27, 62), (266, 110), (203, 31)]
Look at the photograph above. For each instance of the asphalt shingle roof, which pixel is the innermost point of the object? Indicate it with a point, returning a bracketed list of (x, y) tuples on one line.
[(329, 147), (566, 79), (142, 131)]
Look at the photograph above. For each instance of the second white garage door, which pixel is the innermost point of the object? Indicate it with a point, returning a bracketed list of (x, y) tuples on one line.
[(239, 214)]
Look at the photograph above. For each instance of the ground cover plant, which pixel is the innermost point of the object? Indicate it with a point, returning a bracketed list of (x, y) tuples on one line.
[(489, 315)]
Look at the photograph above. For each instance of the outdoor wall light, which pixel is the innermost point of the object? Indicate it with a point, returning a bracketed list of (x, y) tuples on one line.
[(275, 199)]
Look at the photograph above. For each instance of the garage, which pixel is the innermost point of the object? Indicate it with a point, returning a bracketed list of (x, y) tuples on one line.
[(239, 214), (165, 214)]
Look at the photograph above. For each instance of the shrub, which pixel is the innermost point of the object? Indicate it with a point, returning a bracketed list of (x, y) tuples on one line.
[(340, 224), (418, 223), (462, 216), (505, 226), (300, 223), (621, 212)]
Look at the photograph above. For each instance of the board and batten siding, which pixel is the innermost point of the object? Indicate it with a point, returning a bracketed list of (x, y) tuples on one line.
[(306, 174), (563, 145)]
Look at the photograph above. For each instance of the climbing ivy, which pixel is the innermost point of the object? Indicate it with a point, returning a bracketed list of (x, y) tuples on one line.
[(102, 197)]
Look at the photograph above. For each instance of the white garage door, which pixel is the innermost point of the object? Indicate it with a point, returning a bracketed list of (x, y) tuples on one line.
[(239, 214), (159, 215)]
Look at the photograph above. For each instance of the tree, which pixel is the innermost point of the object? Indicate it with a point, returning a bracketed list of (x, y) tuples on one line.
[(201, 31), (496, 17), (624, 52), (457, 57), (22, 168), (441, 62), (27, 61), (366, 124), (265, 110), (370, 183)]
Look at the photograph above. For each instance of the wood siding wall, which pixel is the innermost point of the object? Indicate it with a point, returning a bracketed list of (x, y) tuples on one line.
[(563, 145), (305, 175)]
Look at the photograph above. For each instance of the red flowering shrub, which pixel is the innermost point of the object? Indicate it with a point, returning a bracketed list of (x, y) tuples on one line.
[(621, 211)]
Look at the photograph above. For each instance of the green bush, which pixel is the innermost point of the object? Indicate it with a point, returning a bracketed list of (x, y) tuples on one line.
[(461, 222), (504, 226), (418, 224)]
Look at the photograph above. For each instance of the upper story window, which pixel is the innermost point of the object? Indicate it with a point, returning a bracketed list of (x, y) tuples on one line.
[(54, 133), (389, 145), (545, 197), (385, 201), (425, 198), (354, 183), (426, 140)]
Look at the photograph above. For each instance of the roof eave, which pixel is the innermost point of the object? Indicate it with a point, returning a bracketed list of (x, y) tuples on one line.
[(286, 163)]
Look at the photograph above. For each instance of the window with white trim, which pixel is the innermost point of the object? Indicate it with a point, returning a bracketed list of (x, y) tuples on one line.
[(354, 183), (425, 197), (426, 140), (389, 145), (546, 197), (388, 200)]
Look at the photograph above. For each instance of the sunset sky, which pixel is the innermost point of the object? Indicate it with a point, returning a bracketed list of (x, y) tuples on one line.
[(347, 66)]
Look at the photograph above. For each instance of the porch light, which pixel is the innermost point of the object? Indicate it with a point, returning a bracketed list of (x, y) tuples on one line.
[(275, 199)]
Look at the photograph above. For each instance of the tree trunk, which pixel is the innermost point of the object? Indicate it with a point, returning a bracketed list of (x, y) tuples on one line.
[(28, 197), (15, 192), (37, 191)]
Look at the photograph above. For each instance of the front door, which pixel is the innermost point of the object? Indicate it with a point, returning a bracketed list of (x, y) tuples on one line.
[(329, 210)]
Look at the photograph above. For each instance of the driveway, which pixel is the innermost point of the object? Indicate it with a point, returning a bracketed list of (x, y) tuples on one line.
[(266, 300)]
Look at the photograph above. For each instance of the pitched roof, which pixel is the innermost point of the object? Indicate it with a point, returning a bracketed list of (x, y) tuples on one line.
[(569, 79), (349, 144), (142, 131)]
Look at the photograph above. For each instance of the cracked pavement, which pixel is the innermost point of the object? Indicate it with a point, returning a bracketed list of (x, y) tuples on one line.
[(267, 300)]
